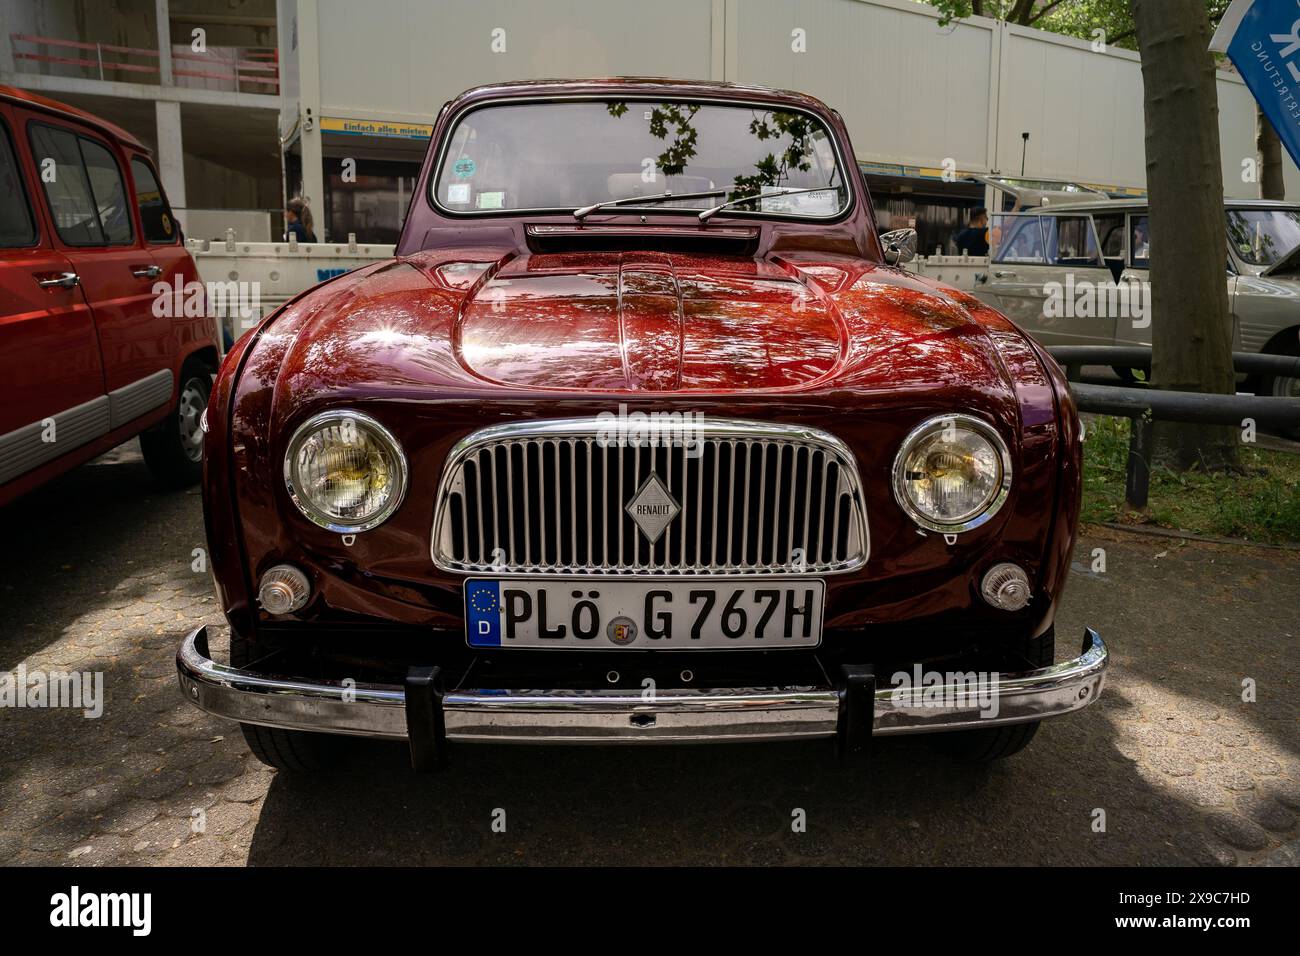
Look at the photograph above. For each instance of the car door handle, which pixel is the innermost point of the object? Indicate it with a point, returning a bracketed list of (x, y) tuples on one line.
[(146, 272), (1004, 275), (66, 280)]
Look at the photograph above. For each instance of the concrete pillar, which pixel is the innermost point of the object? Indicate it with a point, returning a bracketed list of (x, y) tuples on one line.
[(313, 173), (163, 16), (171, 155), (6, 46)]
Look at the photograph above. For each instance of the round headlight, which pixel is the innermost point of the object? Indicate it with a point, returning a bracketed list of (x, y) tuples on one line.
[(344, 471), (952, 473)]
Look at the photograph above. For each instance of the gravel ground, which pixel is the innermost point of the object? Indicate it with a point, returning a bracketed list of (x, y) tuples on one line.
[(97, 576)]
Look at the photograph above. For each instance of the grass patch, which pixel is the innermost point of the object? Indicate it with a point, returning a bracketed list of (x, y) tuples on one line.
[(1263, 504)]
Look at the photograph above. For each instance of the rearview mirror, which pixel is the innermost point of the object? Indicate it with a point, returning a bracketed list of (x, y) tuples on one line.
[(899, 245)]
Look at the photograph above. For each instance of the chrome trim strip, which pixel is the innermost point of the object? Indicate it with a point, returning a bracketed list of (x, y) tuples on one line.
[(742, 433), (140, 397), (1031, 695), (618, 716), (376, 711), (678, 716), (22, 449)]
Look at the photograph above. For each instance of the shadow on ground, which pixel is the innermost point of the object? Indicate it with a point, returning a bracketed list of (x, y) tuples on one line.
[(1183, 770)]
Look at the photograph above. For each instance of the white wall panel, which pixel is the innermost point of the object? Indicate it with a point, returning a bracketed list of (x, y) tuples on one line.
[(407, 59), (1082, 110), (910, 90), (1237, 142)]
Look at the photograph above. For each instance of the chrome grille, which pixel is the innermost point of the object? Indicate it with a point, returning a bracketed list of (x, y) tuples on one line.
[(550, 497)]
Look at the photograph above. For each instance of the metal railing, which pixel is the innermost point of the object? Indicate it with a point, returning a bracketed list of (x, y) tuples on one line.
[(1145, 406), (242, 69)]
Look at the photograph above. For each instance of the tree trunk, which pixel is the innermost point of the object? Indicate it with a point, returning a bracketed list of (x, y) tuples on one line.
[(1191, 330), (1271, 185)]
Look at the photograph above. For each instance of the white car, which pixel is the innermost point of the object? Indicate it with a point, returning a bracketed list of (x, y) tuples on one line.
[(1078, 274)]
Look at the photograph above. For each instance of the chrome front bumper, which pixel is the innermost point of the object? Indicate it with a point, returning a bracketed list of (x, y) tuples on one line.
[(617, 716)]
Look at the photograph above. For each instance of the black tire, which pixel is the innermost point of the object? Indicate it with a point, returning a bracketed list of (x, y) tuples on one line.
[(292, 750), (174, 449), (996, 743), (1283, 387)]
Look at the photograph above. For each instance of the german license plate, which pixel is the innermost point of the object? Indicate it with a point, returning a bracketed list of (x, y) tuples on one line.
[(609, 614)]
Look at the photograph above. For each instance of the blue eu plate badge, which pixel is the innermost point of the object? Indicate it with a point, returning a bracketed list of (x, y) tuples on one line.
[(483, 613)]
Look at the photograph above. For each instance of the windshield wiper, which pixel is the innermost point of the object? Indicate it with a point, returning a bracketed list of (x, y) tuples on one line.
[(707, 214), (582, 212)]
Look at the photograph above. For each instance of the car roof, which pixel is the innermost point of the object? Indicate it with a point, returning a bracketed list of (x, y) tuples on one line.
[(639, 86), (1124, 205), (35, 101)]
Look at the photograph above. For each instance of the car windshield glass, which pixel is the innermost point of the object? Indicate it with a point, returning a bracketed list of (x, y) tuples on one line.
[(1263, 236), (566, 155)]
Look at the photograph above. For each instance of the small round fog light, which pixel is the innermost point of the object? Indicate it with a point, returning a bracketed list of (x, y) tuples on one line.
[(1006, 586), (284, 589)]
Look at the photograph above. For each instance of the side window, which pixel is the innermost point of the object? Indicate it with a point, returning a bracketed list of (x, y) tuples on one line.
[(84, 187), (58, 163), (109, 192), (1016, 239), (155, 214), (16, 225), (1070, 241), (1110, 229), (1140, 242)]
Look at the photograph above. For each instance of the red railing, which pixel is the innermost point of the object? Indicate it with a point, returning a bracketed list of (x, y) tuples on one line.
[(243, 69)]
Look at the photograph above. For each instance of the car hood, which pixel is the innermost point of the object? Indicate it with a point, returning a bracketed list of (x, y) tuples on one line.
[(631, 323), (647, 323), (1285, 267)]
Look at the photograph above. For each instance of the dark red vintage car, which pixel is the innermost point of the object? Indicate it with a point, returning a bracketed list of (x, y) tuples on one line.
[(90, 354), (640, 438)]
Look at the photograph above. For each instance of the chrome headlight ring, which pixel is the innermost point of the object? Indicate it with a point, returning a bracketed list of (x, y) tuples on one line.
[(376, 431), (976, 517)]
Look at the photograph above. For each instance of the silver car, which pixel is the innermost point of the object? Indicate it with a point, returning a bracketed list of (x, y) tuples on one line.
[(1078, 274)]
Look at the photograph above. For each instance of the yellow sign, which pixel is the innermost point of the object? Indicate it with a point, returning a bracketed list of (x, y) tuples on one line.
[(355, 127)]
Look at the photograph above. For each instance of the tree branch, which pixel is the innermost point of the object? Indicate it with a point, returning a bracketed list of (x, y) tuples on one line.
[(1020, 11), (1043, 12)]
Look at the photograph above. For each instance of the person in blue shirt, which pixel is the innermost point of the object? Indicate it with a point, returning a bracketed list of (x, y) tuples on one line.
[(298, 215), (974, 239)]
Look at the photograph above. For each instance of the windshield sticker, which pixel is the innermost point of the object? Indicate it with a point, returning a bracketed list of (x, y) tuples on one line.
[(491, 200), (464, 167), (458, 192)]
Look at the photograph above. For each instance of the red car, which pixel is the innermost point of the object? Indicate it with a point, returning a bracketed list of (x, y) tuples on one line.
[(640, 438), (91, 354)]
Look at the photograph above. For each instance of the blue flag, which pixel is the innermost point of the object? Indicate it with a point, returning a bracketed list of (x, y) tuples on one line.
[(1262, 38), (483, 613)]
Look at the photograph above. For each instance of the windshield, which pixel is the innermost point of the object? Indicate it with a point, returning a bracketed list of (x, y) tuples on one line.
[(1263, 236), (562, 156)]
